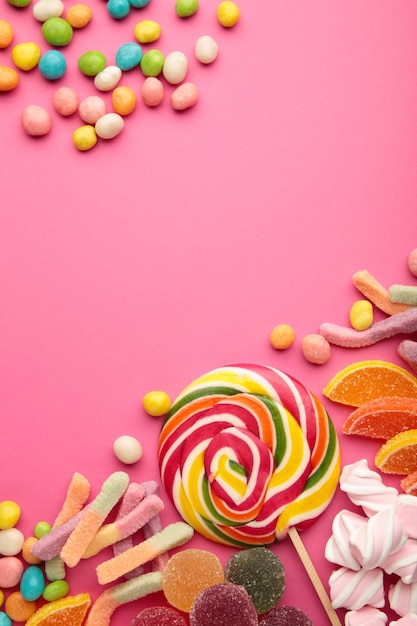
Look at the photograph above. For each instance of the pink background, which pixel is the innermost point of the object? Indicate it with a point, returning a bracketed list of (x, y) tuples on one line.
[(177, 246)]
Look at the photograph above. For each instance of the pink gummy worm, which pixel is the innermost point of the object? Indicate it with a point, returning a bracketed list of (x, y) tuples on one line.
[(407, 350), (153, 527), (405, 322), (134, 494), (51, 544)]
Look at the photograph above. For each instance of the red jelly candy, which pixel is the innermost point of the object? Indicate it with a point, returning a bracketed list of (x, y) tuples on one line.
[(224, 603), (285, 616), (158, 616)]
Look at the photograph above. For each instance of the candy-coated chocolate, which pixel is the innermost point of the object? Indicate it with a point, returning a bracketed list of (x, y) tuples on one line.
[(184, 96), (32, 583), (147, 31), (18, 608), (65, 101), (139, 4), (84, 137), (228, 14), (52, 65), (26, 55), (41, 528), (315, 348), (156, 403), (118, 9), (79, 15), (108, 78), (20, 3), (127, 449), (152, 63), (91, 109), (206, 49), (57, 31), (5, 619), (186, 8), (128, 56), (55, 590), (11, 570), (11, 541), (6, 33), (123, 100), (1, 597), (27, 551), (109, 126), (91, 62), (44, 9), (175, 67), (152, 92), (282, 336), (9, 514), (36, 120), (9, 78)]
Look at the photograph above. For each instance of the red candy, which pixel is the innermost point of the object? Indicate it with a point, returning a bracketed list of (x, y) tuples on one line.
[(158, 616), (224, 603), (285, 616)]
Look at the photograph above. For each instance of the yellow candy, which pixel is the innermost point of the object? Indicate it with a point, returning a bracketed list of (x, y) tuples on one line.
[(26, 55), (6, 34), (123, 100), (228, 14), (361, 315), (1, 597), (9, 514), (84, 137), (9, 78), (156, 403), (147, 31), (79, 15)]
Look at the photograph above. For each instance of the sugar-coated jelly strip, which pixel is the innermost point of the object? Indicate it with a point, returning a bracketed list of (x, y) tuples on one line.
[(405, 294), (153, 527), (376, 293)]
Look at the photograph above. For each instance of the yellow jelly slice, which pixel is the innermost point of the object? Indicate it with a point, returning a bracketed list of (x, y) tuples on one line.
[(399, 454), (69, 611), (364, 381)]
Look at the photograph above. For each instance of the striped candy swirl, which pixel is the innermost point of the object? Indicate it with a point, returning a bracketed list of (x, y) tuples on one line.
[(246, 452)]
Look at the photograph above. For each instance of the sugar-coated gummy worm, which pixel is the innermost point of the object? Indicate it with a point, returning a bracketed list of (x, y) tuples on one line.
[(171, 536), (111, 491), (131, 498), (407, 350), (376, 293), (153, 527), (138, 587), (51, 544), (404, 294), (126, 526), (405, 322)]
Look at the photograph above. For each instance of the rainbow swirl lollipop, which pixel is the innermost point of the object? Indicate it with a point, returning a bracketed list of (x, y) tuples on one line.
[(247, 452)]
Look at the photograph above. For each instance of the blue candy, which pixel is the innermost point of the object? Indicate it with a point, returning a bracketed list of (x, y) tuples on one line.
[(118, 8), (128, 56), (32, 583), (52, 64), (139, 4), (5, 619)]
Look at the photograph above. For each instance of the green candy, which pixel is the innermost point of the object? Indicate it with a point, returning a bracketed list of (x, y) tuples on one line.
[(152, 63), (185, 8), (41, 529), (55, 590), (57, 32), (92, 62), (20, 3)]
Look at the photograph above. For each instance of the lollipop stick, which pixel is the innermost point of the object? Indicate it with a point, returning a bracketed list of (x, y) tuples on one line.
[(314, 577)]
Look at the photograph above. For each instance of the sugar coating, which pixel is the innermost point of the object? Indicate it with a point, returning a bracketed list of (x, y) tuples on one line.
[(158, 616), (91, 109), (407, 350), (78, 15), (187, 573), (26, 55), (6, 34), (65, 101), (224, 603), (405, 294), (372, 289), (282, 336), (261, 573), (123, 101), (184, 96), (315, 348), (9, 78), (285, 616)]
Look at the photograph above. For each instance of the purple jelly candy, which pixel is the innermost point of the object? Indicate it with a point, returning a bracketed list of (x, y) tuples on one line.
[(158, 616), (224, 603), (285, 616)]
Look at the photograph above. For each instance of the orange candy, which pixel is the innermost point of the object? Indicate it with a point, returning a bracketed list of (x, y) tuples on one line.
[(27, 553), (382, 418), (69, 611), (364, 381), (123, 100), (399, 454), (19, 609), (409, 484)]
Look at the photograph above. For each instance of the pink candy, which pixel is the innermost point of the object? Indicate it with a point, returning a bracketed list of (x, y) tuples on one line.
[(11, 570), (36, 120)]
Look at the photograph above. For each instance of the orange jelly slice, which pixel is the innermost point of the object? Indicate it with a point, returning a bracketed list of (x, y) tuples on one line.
[(69, 611), (409, 484), (364, 381), (382, 418), (399, 454)]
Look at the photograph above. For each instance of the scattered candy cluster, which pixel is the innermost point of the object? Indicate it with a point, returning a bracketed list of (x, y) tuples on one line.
[(398, 302), (366, 546), (155, 67)]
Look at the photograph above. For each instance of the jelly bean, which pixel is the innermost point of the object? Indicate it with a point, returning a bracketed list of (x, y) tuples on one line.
[(361, 315), (123, 100), (57, 31), (175, 67), (412, 262), (206, 49), (156, 403), (41, 529), (147, 31), (184, 96), (1, 598), (128, 56), (79, 15), (152, 91), (152, 63), (65, 101), (127, 449), (44, 9), (19, 609), (5, 619), (27, 551), (84, 137), (139, 4), (118, 9), (109, 126), (11, 570), (26, 55), (6, 34), (228, 14), (185, 8), (32, 583), (315, 348), (9, 78), (92, 62), (108, 78), (282, 336), (52, 65), (11, 541), (9, 514), (20, 3), (91, 109), (55, 590)]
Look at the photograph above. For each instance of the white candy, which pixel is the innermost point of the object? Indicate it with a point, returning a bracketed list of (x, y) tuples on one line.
[(127, 449), (206, 49), (11, 541), (109, 125), (107, 79), (175, 67), (44, 9)]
